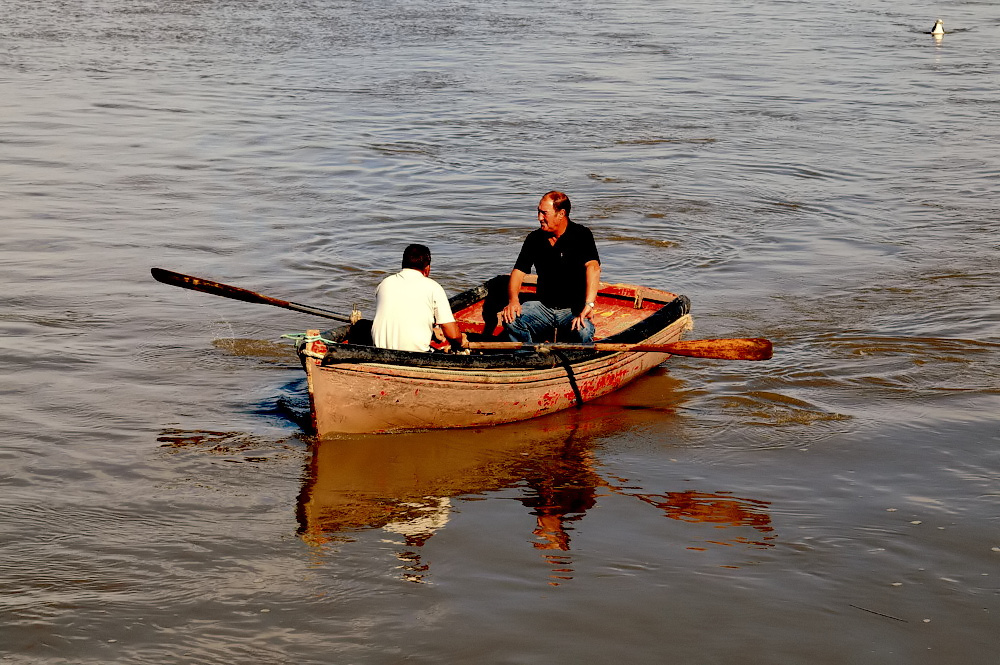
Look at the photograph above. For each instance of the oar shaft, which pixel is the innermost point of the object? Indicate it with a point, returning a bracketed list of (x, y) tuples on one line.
[(560, 346), (725, 349), (236, 293)]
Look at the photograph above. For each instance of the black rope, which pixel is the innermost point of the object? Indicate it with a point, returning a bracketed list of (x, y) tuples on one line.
[(570, 375)]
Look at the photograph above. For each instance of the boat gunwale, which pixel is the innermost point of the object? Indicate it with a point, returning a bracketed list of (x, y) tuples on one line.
[(595, 364), (342, 354)]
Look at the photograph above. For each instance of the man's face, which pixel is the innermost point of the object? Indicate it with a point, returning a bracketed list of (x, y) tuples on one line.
[(549, 220)]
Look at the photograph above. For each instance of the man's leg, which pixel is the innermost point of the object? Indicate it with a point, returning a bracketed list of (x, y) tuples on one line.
[(534, 324)]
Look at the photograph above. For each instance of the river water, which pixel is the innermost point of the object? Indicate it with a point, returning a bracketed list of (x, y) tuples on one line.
[(822, 174)]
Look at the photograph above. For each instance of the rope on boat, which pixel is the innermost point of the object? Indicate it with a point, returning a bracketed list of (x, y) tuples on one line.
[(303, 341)]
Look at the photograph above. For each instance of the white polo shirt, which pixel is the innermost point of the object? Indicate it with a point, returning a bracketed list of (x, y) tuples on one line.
[(407, 306)]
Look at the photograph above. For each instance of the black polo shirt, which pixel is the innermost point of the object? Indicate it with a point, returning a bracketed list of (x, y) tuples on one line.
[(562, 276)]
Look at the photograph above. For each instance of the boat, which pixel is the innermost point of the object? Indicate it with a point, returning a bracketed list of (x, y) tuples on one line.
[(356, 388)]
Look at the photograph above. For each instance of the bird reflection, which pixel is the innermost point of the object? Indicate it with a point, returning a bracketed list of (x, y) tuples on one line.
[(405, 485)]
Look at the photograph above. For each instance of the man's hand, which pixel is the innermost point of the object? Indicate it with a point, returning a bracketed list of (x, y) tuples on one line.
[(586, 313), (510, 312), (451, 332), (460, 346), (513, 308)]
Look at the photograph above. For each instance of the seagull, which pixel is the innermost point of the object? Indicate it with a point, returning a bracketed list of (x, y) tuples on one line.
[(938, 28)]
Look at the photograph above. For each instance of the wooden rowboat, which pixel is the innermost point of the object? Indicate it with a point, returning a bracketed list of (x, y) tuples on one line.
[(355, 387)]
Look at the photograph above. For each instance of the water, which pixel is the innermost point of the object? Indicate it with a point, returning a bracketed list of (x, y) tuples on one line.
[(821, 174)]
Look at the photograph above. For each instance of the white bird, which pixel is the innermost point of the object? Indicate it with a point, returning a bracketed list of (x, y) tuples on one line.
[(938, 28)]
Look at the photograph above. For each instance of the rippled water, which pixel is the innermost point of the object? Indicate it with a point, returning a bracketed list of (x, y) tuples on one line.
[(823, 174)]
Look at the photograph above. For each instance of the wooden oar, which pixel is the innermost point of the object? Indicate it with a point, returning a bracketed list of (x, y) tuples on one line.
[(756, 348), (236, 293)]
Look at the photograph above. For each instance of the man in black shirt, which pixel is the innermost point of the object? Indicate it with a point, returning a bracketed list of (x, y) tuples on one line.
[(569, 273)]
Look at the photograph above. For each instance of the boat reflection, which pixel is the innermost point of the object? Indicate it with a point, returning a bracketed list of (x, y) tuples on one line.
[(405, 484)]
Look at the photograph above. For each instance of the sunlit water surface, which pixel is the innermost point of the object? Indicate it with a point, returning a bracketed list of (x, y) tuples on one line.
[(822, 174)]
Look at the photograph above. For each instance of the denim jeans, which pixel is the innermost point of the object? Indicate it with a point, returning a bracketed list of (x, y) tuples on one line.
[(538, 322)]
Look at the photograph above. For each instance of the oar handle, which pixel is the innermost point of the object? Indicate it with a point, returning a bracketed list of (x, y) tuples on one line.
[(236, 293)]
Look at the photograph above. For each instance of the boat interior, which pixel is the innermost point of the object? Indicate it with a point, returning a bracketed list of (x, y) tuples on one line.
[(625, 314)]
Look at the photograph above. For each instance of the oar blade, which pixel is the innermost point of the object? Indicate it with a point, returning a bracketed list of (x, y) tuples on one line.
[(236, 293), (756, 348), (215, 288)]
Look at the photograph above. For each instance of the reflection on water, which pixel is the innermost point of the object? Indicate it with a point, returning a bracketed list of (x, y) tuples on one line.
[(407, 484), (719, 509)]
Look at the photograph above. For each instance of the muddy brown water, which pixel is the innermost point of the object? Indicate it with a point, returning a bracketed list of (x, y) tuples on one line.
[(824, 175)]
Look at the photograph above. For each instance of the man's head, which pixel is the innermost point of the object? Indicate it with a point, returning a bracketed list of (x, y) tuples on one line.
[(553, 213), (417, 257)]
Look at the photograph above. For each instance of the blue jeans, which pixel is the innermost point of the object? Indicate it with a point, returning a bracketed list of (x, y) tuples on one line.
[(537, 323)]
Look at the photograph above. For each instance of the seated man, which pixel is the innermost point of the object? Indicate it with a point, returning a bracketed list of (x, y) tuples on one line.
[(569, 274), (409, 304)]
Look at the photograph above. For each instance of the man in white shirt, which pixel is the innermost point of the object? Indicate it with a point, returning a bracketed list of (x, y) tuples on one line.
[(409, 304)]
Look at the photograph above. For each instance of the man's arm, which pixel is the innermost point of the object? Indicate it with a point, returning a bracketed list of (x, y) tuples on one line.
[(446, 320), (453, 335), (513, 308), (593, 285)]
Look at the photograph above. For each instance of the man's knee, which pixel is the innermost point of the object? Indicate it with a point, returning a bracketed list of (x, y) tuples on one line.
[(529, 324), (586, 332)]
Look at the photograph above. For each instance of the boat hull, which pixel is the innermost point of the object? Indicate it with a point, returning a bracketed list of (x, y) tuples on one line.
[(371, 397)]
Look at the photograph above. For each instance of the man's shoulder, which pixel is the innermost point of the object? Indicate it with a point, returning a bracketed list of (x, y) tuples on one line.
[(422, 281), (580, 238), (579, 235), (402, 279)]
